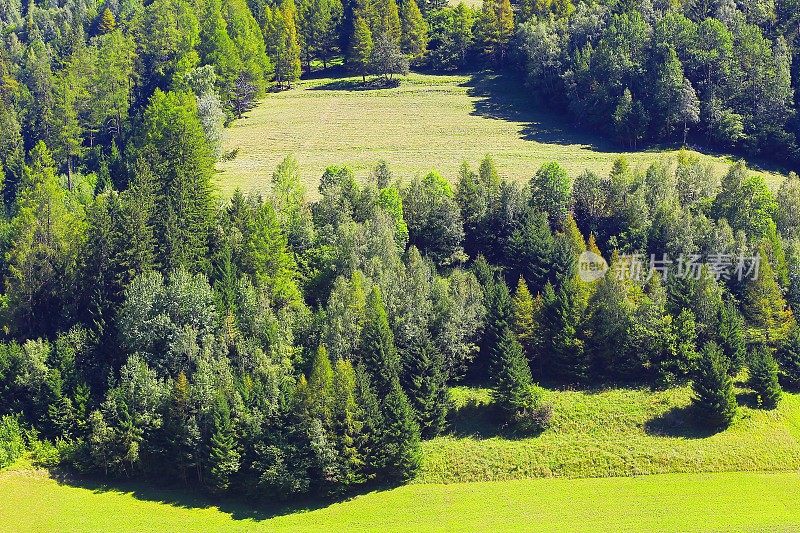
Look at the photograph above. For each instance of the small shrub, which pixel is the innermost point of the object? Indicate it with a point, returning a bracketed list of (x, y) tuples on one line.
[(46, 454), (534, 420), (12, 445)]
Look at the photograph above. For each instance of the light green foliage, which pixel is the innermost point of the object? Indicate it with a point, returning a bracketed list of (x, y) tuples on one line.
[(46, 233), (11, 443), (169, 35), (184, 164)]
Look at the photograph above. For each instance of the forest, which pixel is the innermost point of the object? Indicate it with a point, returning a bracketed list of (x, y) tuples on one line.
[(303, 342)]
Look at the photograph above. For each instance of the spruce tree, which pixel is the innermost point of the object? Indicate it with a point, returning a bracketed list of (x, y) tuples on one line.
[(368, 440), (224, 459), (731, 336), (510, 377), (348, 424), (427, 388), (320, 388), (377, 350), (764, 377), (398, 457), (714, 398), (562, 356)]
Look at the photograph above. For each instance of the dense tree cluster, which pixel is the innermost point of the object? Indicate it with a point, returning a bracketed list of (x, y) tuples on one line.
[(643, 71), (277, 346)]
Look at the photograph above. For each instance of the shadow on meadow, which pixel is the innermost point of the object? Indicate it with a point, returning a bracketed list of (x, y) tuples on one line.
[(503, 97), (356, 84), (481, 421), (238, 507), (678, 422)]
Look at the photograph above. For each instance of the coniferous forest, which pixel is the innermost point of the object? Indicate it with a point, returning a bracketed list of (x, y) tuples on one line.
[(303, 342)]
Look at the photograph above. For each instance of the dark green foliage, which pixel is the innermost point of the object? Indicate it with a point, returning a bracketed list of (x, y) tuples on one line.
[(427, 387), (714, 399), (562, 355), (764, 376), (223, 460), (510, 376), (788, 358), (398, 456), (731, 337), (377, 351)]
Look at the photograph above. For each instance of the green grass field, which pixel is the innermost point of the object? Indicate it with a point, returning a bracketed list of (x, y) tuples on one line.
[(617, 432), (30, 500), (428, 121), (589, 464)]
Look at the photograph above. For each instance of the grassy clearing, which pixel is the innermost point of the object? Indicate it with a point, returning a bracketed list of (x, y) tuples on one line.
[(33, 501), (428, 121), (612, 433)]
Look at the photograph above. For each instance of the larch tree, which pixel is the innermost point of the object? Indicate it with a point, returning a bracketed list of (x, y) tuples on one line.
[(414, 29), (495, 29)]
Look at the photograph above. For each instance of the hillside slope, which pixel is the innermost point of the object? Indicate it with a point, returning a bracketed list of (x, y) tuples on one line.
[(427, 122)]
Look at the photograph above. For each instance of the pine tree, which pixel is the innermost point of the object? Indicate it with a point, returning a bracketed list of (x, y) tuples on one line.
[(360, 47), (377, 350), (399, 456), (414, 41), (714, 398), (764, 377)]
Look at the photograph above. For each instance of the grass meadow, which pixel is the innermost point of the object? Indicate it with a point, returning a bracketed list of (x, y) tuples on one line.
[(426, 122), (617, 432), (33, 501), (583, 473)]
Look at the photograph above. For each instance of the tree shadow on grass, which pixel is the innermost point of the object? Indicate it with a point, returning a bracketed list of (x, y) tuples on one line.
[(504, 97), (679, 422), (239, 507), (481, 421), (355, 84)]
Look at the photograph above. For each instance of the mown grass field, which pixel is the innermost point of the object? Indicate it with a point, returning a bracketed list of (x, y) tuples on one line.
[(30, 500), (618, 432), (588, 464), (427, 122)]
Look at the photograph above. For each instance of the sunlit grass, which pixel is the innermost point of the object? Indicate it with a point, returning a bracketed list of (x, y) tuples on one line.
[(427, 122)]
